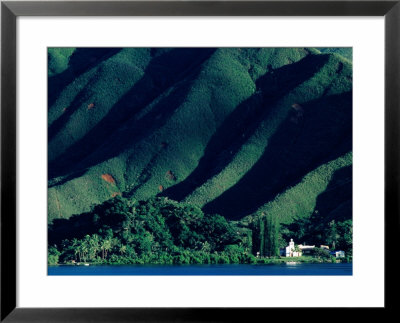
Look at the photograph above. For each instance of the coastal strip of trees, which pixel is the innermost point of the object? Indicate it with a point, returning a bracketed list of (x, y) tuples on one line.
[(162, 231), (156, 231)]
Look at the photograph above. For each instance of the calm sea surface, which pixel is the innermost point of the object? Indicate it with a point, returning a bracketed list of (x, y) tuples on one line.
[(208, 270)]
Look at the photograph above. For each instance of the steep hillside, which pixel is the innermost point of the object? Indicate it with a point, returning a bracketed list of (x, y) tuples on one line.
[(231, 130), (346, 52), (58, 59)]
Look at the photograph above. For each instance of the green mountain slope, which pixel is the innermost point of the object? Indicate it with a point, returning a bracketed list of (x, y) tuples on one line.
[(230, 130), (319, 190), (58, 59), (346, 52)]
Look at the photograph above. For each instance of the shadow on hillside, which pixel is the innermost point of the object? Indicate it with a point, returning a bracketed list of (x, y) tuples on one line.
[(335, 203), (64, 179), (324, 134), (81, 60), (60, 122), (161, 73), (241, 124)]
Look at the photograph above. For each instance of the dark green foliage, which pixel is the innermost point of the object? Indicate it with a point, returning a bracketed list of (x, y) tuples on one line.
[(154, 231), (331, 220), (262, 236), (265, 232), (207, 116), (338, 235), (257, 230), (53, 255), (271, 236), (58, 59), (103, 218), (317, 190), (321, 253), (346, 52), (231, 131)]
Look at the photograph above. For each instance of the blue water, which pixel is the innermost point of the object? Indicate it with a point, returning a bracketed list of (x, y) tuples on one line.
[(207, 270)]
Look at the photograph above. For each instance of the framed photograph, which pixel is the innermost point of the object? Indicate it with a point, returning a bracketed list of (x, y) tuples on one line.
[(197, 160)]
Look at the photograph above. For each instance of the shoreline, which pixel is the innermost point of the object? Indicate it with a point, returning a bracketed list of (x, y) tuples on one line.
[(261, 261)]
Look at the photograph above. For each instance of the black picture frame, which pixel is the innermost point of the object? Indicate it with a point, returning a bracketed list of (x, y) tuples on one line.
[(10, 10)]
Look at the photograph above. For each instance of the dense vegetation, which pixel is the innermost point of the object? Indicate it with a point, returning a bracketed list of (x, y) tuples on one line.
[(161, 231), (58, 59), (199, 125), (156, 231), (331, 220), (260, 136), (265, 237), (339, 234), (346, 52)]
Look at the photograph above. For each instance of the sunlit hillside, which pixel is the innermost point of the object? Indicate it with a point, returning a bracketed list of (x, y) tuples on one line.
[(233, 131)]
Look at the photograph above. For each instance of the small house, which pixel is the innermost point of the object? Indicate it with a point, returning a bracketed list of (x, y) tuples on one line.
[(306, 250), (338, 253)]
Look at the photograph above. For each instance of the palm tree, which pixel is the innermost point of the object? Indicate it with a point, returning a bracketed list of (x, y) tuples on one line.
[(85, 248), (75, 245), (102, 247), (122, 249), (94, 246), (106, 245)]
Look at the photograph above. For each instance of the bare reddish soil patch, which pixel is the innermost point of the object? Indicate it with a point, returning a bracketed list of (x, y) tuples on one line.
[(90, 106), (170, 175), (108, 178), (160, 188), (115, 194)]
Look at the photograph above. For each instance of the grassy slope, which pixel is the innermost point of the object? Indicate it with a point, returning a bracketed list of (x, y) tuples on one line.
[(58, 59), (256, 144), (300, 201), (323, 134), (102, 85), (336, 201), (174, 129), (346, 52)]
